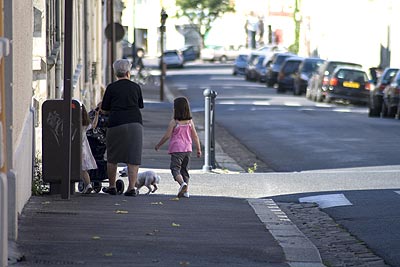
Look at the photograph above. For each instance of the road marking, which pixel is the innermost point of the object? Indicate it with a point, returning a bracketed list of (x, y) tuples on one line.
[(323, 105), (292, 104), (327, 201), (182, 88), (344, 110), (261, 103), (398, 192)]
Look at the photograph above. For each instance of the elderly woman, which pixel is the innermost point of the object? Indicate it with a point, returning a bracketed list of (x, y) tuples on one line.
[(123, 100)]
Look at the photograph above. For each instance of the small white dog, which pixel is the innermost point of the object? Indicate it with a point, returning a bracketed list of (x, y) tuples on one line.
[(148, 179)]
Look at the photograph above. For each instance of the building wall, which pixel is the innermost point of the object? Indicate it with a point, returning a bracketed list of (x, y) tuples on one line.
[(18, 80), (331, 34), (22, 58)]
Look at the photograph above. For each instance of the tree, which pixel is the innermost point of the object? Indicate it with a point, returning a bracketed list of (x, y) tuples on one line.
[(202, 13)]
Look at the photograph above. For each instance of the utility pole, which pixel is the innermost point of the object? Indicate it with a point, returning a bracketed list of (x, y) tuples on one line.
[(66, 175), (164, 17)]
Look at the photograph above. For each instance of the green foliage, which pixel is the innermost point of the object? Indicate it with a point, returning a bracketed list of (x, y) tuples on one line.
[(38, 186), (203, 13), (252, 169)]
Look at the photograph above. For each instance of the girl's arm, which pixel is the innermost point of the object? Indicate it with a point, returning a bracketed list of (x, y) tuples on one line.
[(196, 140), (96, 118), (167, 135)]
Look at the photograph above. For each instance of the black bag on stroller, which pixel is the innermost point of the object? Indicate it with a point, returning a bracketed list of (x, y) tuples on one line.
[(97, 141)]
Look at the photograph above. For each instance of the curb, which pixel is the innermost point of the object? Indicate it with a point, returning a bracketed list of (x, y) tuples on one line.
[(298, 249)]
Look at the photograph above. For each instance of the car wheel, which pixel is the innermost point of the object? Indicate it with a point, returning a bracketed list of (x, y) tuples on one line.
[(384, 111), (373, 112), (327, 99), (280, 90), (308, 95), (391, 112), (296, 90), (318, 96), (223, 59)]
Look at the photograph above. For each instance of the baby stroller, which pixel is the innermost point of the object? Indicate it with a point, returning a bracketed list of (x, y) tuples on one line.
[(97, 141)]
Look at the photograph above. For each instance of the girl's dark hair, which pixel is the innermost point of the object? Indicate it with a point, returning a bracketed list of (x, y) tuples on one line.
[(85, 116), (182, 109)]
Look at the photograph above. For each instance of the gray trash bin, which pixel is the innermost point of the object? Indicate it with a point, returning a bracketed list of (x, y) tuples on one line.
[(53, 143)]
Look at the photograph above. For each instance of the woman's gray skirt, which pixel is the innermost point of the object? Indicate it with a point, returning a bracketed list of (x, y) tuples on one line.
[(124, 143)]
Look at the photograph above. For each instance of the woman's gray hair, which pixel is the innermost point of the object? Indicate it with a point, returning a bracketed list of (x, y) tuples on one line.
[(121, 67)]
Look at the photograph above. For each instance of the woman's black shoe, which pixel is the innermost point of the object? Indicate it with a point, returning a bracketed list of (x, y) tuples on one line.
[(131, 193), (110, 190)]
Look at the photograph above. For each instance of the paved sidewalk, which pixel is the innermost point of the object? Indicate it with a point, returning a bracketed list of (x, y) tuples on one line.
[(161, 230)]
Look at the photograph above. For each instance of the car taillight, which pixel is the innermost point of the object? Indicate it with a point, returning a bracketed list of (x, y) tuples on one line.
[(382, 87), (325, 81), (368, 86), (333, 82), (280, 75)]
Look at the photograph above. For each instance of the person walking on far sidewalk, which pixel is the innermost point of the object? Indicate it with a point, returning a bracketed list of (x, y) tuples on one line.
[(181, 132), (123, 100), (88, 161)]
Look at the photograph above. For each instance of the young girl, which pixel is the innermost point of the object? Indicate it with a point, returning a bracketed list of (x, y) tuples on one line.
[(88, 161), (180, 133)]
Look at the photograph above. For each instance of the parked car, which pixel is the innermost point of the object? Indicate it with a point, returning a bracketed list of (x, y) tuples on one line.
[(287, 72), (190, 53), (219, 53), (239, 66), (319, 81), (391, 98), (254, 63), (273, 70), (173, 59), (306, 69), (349, 84), (261, 69), (376, 93), (270, 50)]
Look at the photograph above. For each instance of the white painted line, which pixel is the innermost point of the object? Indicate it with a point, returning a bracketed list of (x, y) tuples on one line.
[(323, 105), (327, 201), (292, 104), (182, 88), (261, 103), (344, 110), (226, 102), (219, 78), (398, 192)]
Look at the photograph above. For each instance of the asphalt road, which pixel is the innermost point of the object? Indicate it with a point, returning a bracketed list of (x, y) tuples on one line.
[(291, 133), (315, 149)]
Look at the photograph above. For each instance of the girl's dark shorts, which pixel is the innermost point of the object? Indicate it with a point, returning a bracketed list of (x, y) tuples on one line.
[(180, 164)]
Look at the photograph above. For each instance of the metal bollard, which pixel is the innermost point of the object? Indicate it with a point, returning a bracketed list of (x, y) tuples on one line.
[(209, 136)]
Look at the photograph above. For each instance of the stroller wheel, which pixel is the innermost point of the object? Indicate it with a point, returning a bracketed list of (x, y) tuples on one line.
[(80, 186), (97, 187), (120, 186)]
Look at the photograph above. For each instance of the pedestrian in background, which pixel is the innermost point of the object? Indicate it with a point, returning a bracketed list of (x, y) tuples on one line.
[(123, 100), (88, 161), (181, 132)]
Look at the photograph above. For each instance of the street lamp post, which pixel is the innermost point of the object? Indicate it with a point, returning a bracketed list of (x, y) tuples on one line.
[(164, 17)]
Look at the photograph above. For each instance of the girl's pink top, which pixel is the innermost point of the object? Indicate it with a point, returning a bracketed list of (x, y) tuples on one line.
[(181, 138)]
